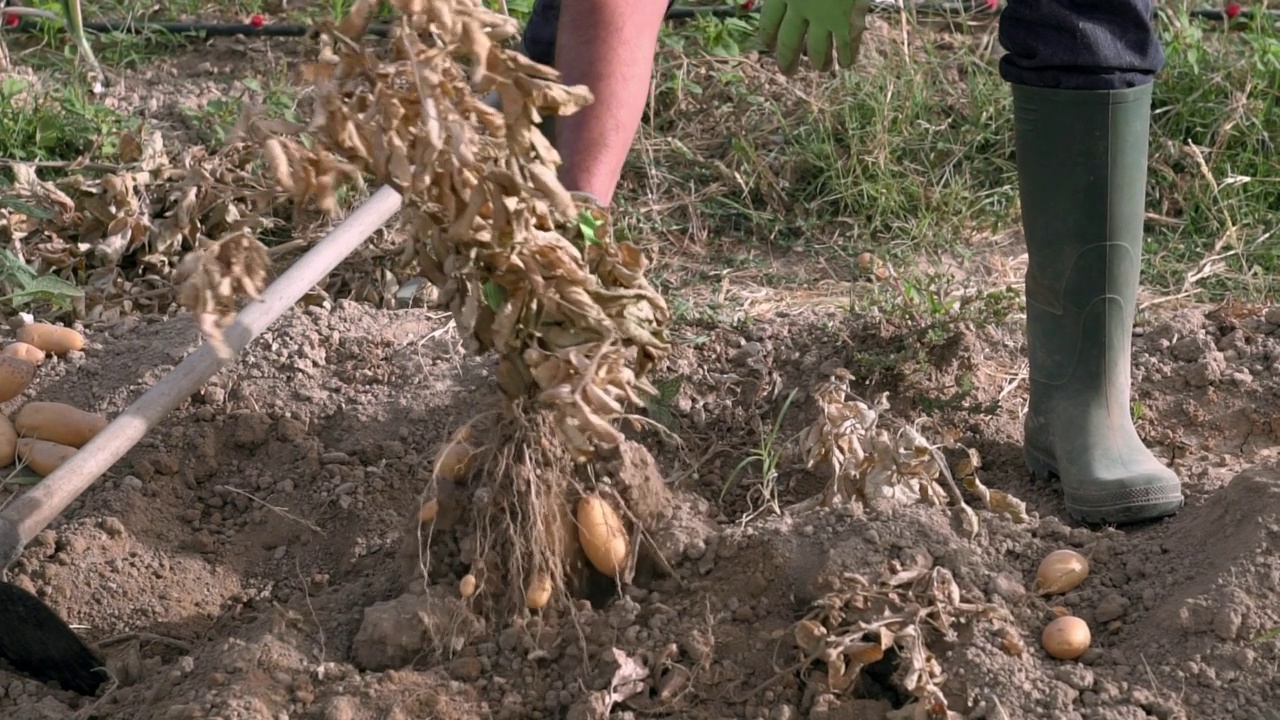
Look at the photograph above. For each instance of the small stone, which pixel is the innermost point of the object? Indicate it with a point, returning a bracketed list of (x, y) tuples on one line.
[(467, 669), (1111, 608), (728, 548), (1226, 622), (695, 549), (1272, 315), (342, 707), (784, 711), (131, 482), (1191, 349), (73, 544), (1092, 656), (113, 527), (1141, 696), (747, 352), (290, 430), (202, 542), (509, 639), (1077, 676), (1207, 371), (1008, 586), (706, 564)]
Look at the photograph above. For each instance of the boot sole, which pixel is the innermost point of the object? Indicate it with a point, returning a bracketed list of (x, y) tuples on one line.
[(1119, 507)]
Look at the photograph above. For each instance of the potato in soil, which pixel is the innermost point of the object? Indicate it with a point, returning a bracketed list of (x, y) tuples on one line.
[(58, 422), (538, 593), (53, 339), (602, 535), (456, 459), (1061, 571), (16, 375), (8, 442), (1066, 637), (43, 456), (24, 351), (467, 586)]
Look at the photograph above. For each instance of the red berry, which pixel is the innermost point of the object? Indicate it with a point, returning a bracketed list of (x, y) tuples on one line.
[(748, 5), (993, 4), (257, 21), (1233, 10), (11, 20)]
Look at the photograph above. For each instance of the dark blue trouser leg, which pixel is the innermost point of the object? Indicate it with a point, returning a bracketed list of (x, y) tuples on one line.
[(1080, 44), (540, 31)]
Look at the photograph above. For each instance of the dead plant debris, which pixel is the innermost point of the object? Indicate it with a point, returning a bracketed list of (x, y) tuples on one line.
[(527, 269), (114, 231)]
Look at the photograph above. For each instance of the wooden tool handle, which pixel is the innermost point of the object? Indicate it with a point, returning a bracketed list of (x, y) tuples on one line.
[(33, 511)]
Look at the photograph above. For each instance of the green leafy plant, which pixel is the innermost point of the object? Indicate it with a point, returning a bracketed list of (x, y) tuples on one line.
[(24, 286), (659, 406), (56, 124)]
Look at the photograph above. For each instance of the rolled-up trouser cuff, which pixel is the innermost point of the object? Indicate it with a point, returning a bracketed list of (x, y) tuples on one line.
[(1080, 44), (539, 38)]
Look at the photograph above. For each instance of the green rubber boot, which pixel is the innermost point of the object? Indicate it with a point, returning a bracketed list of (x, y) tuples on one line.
[(1082, 170)]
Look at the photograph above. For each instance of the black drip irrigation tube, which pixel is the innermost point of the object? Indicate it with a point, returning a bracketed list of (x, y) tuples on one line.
[(957, 10)]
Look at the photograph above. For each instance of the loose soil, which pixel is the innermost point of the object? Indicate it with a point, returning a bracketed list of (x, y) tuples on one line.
[(248, 559), (254, 557)]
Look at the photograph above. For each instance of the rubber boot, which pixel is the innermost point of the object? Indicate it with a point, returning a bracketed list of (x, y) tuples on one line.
[(1082, 170)]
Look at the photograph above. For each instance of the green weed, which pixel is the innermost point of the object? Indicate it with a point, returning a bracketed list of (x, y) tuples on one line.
[(909, 155), (769, 456), (59, 124), (22, 286)]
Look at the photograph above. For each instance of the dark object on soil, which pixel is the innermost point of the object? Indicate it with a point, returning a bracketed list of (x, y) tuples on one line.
[(38, 643)]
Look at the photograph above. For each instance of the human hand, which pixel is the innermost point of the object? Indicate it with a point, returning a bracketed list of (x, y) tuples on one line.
[(821, 26)]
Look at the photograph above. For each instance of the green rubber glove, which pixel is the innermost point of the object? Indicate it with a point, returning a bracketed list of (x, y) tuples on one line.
[(819, 26)]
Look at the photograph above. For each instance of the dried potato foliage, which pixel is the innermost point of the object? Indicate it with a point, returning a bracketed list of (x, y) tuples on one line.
[(117, 231), (212, 279), (570, 313), (870, 466), (892, 618), (527, 269)]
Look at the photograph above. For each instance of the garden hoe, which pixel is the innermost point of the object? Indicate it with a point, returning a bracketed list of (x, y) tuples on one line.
[(34, 639)]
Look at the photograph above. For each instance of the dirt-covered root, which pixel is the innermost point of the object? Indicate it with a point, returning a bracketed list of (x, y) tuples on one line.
[(517, 524)]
